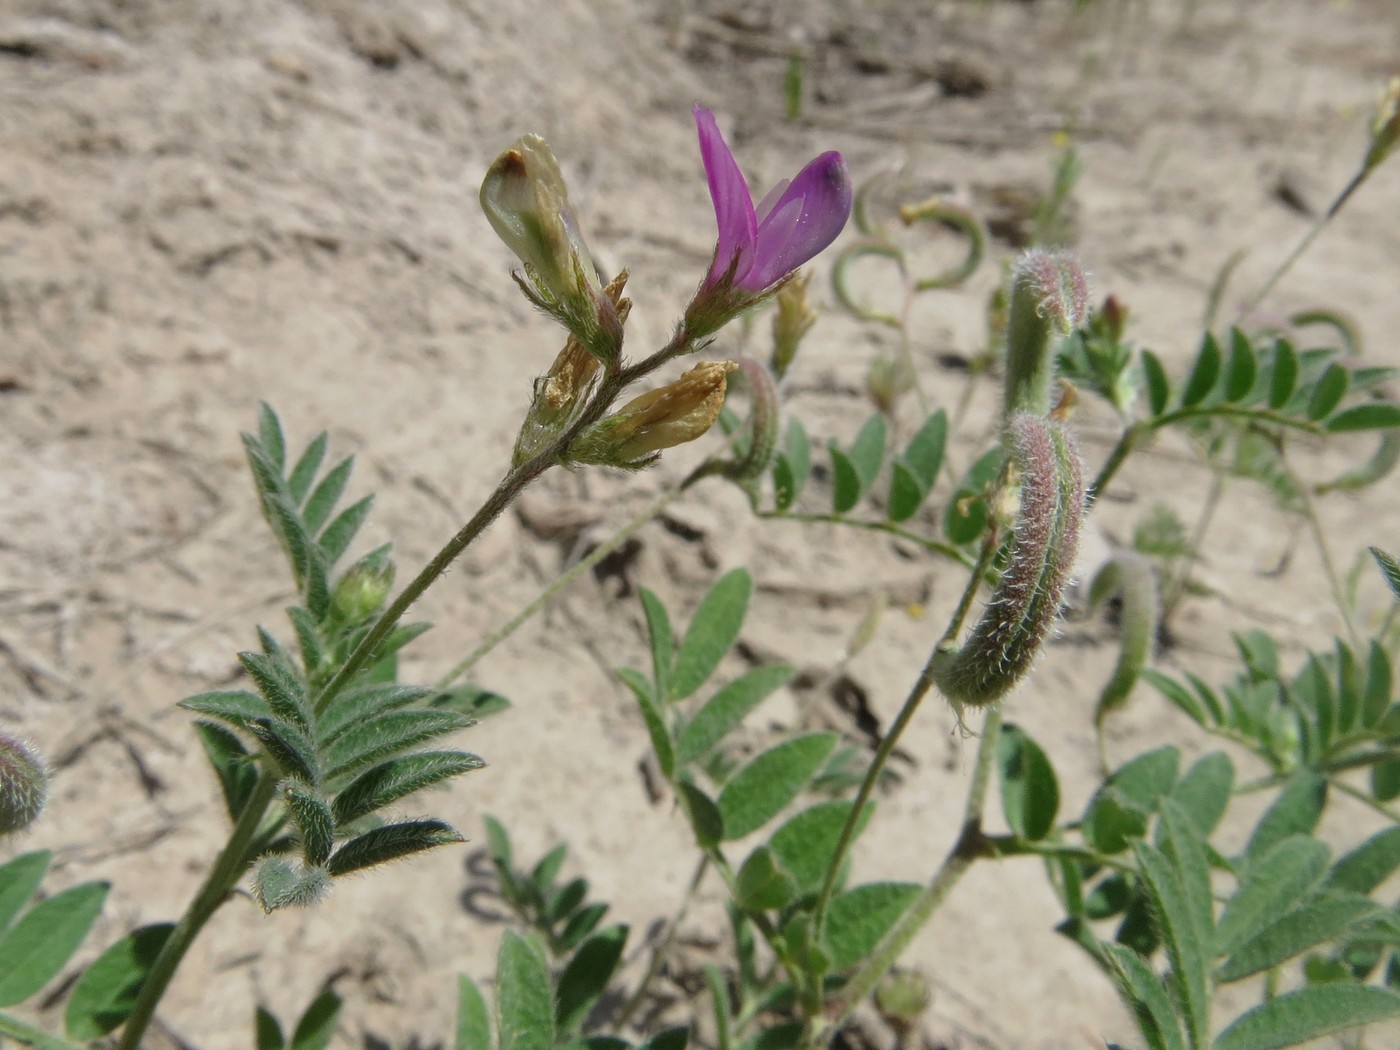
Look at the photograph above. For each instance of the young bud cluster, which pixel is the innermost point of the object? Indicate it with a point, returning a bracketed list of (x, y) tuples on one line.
[(24, 784)]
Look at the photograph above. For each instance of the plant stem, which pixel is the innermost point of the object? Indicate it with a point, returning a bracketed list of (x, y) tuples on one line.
[(615, 378), (596, 555), (1177, 584), (920, 689), (222, 878), (1329, 567), (663, 947), (1303, 245), (933, 546), (970, 846)]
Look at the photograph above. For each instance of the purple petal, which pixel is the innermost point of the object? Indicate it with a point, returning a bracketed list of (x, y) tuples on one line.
[(808, 216), (734, 213)]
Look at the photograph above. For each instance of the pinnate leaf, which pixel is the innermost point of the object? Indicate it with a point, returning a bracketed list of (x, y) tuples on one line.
[(858, 918), (1272, 884), (45, 937), (760, 790), (387, 735), (473, 1019), (523, 996), (727, 708), (1308, 1013), (398, 778), (105, 994), (586, 977), (712, 630), (19, 878), (1295, 811), (391, 842), (317, 1024), (1326, 917), (1030, 793)]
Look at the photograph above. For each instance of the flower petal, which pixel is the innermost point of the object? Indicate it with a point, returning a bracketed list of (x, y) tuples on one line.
[(821, 195), (734, 214)]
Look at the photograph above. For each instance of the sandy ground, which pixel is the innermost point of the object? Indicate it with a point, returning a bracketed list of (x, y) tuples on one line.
[(204, 204)]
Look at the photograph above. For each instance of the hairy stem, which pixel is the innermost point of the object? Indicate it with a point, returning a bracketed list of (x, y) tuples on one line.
[(970, 846), (222, 878), (561, 582)]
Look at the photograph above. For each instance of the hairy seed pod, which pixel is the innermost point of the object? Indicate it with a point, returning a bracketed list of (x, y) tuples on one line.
[(24, 784), (747, 467), (1026, 602)]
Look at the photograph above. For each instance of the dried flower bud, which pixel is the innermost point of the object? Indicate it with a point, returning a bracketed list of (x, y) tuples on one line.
[(365, 586), (1385, 127), (793, 320), (1048, 294), (1023, 609), (24, 784), (658, 419)]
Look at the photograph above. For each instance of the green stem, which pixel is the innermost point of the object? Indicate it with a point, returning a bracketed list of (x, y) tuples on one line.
[(890, 740), (222, 878), (1127, 442), (1303, 245), (615, 379), (1365, 797), (1002, 846), (662, 949), (1177, 581), (871, 525), (563, 581), (971, 845), (1329, 567)]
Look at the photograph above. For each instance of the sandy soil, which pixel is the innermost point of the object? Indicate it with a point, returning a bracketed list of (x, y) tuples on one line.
[(207, 204)]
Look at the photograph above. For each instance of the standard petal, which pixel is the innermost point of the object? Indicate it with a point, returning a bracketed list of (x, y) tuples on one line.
[(734, 213), (823, 189)]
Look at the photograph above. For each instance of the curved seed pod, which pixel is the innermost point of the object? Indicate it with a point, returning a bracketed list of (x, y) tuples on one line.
[(936, 209), (751, 464), (1016, 622), (1131, 577), (24, 784)]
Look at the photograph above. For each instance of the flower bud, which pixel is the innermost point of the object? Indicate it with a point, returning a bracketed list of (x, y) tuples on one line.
[(365, 586), (24, 784), (279, 883), (1385, 127), (527, 203), (658, 419), (1026, 603), (793, 320)]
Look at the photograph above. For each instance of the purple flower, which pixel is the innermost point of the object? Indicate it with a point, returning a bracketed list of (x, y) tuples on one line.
[(797, 219)]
